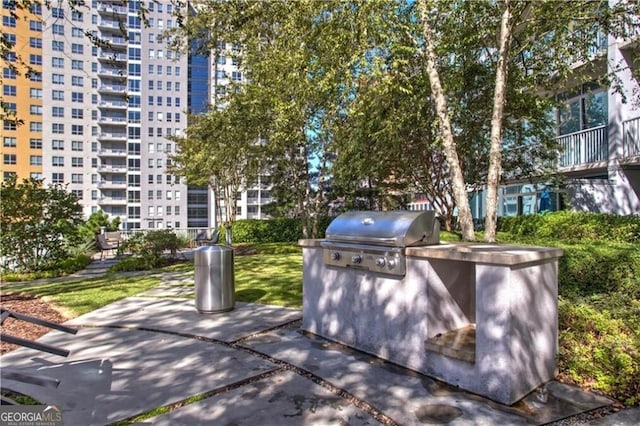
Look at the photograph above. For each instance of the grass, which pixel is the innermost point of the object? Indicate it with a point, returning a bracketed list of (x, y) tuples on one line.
[(268, 278), (599, 322)]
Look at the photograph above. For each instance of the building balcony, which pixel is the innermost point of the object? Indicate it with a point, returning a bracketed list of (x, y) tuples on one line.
[(116, 42), (112, 201), (112, 57), (631, 139), (586, 149), (112, 72), (112, 120), (112, 168), (112, 184), (109, 9), (105, 153), (121, 136), (119, 89), (112, 104)]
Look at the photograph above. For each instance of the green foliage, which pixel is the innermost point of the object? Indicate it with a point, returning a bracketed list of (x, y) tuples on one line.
[(150, 247), (272, 231), (599, 350), (39, 224), (573, 226), (53, 270), (96, 222)]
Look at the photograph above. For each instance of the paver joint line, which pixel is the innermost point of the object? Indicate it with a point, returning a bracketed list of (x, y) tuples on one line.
[(367, 407)]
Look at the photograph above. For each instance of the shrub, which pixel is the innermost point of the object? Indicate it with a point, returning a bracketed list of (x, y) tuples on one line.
[(279, 230), (151, 246), (599, 350), (574, 226)]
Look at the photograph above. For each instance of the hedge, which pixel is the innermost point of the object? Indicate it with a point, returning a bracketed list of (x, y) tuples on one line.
[(572, 226), (279, 230)]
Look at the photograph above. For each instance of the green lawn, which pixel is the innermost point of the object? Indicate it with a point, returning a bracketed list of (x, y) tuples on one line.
[(268, 278)]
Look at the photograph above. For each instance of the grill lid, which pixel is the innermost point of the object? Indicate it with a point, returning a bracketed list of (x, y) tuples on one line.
[(396, 228)]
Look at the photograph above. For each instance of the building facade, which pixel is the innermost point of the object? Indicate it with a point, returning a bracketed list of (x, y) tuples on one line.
[(104, 97), (598, 131)]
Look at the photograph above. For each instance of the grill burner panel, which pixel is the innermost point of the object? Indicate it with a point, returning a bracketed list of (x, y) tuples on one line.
[(373, 258), (375, 241)]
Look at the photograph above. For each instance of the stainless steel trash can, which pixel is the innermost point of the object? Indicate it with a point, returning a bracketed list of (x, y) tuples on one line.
[(214, 279)]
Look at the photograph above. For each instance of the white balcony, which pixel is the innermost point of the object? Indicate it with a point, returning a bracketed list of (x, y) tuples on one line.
[(112, 153), (112, 201), (112, 184), (111, 168), (584, 148), (631, 139), (112, 136)]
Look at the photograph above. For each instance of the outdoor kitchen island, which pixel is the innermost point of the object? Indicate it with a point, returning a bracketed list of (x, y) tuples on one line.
[(479, 316)]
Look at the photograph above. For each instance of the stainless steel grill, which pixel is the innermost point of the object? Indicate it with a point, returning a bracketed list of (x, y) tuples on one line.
[(376, 241)]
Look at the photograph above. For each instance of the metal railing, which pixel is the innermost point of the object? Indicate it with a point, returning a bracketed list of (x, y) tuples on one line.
[(584, 147), (631, 138)]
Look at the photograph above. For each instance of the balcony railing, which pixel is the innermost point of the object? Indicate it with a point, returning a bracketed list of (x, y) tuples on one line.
[(584, 147), (631, 138)]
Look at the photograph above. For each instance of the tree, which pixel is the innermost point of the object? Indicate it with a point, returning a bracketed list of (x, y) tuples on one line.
[(38, 224), (539, 41), (221, 150)]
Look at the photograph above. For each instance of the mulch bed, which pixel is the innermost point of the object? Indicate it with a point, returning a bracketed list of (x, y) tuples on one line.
[(28, 305)]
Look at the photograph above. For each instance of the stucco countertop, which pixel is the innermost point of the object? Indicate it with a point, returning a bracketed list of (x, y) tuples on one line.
[(497, 254)]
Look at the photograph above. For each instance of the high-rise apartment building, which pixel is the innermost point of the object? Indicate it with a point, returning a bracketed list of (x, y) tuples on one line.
[(98, 116), (99, 108), (22, 93)]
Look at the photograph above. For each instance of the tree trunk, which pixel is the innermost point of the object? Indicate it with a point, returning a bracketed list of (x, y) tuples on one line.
[(495, 154), (449, 146)]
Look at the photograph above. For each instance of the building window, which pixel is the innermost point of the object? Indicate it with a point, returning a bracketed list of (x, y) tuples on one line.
[(35, 143), (57, 128), (35, 160), (35, 93), (57, 62), (57, 144), (584, 108), (76, 16), (77, 129), (34, 76), (76, 146), (9, 159), (9, 141), (57, 12), (76, 178), (35, 126), (35, 59), (77, 113), (57, 95), (57, 161), (35, 109), (9, 73), (57, 78), (57, 29), (35, 42), (77, 64), (34, 25), (77, 162), (57, 177), (9, 21), (77, 97), (8, 90), (77, 80)]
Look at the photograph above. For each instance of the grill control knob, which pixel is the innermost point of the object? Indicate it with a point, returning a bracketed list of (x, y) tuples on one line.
[(380, 262), (392, 263), (356, 258), (335, 255)]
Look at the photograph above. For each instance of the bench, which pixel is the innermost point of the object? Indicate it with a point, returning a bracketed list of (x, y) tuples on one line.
[(109, 241), (204, 238)]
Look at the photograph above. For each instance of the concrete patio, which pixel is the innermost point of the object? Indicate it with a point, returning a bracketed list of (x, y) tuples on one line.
[(252, 365)]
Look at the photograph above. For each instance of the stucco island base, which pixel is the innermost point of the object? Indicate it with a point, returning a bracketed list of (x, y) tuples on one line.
[(479, 316)]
